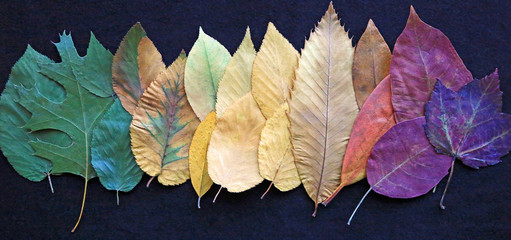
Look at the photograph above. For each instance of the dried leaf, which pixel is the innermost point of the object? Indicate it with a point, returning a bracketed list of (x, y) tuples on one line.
[(205, 67), (276, 160), (273, 71), (371, 62), (232, 152), (469, 125), (163, 126), (236, 81), (403, 164), (323, 107), (150, 62), (125, 77), (14, 139), (111, 151), (79, 111), (197, 160), (421, 55), (373, 120)]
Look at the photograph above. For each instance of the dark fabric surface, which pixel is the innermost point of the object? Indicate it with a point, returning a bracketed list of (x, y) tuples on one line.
[(477, 202)]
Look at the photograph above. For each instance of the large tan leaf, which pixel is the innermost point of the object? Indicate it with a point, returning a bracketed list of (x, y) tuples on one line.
[(232, 152), (163, 126), (276, 161), (323, 107), (371, 62), (236, 81), (198, 162), (273, 71), (204, 70)]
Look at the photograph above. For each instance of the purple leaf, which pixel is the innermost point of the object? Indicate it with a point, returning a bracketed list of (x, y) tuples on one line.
[(403, 164), (469, 125), (421, 55)]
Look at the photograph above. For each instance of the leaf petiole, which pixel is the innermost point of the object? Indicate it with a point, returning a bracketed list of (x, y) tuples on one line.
[(49, 180), (359, 203), (117, 196), (447, 185), (149, 182), (214, 199), (267, 190)]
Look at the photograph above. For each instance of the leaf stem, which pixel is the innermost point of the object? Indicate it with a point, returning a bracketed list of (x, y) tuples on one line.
[(315, 210), (447, 185), (49, 180), (83, 203), (214, 199), (149, 182), (198, 203), (358, 205), (271, 184), (117, 195)]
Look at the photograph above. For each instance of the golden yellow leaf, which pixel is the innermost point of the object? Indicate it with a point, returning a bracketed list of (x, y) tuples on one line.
[(198, 162), (232, 152), (323, 107), (236, 81), (163, 125), (273, 71), (276, 161)]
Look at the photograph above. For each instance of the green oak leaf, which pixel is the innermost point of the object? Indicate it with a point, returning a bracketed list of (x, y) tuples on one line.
[(111, 151), (14, 140), (77, 113)]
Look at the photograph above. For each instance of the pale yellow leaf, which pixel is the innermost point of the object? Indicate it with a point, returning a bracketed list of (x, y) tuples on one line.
[(232, 152), (323, 107), (276, 161), (273, 71), (236, 81), (198, 162)]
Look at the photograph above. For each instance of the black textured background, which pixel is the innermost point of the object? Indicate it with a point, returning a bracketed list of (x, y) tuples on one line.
[(478, 201)]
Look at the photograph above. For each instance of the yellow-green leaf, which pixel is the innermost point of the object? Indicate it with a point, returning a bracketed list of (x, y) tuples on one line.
[(163, 126), (232, 152), (198, 162), (205, 67), (273, 71), (276, 161), (323, 107), (236, 81)]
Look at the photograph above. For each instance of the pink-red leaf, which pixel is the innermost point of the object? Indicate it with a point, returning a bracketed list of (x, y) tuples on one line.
[(373, 120)]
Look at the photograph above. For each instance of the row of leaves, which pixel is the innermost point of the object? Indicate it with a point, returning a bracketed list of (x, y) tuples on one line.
[(325, 118)]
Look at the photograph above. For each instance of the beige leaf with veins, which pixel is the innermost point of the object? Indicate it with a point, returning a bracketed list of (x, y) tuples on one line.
[(323, 107)]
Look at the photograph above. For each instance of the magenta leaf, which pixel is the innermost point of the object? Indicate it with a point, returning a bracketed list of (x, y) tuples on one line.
[(403, 164), (469, 125), (422, 54)]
